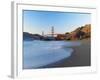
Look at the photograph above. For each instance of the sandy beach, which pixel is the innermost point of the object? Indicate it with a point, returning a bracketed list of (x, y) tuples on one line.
[(81, 56)]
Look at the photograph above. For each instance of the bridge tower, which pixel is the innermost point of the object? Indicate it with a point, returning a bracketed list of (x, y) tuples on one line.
[(42, 33), (52, 31)]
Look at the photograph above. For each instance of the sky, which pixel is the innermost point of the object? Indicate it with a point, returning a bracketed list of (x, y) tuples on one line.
[(36, 22)]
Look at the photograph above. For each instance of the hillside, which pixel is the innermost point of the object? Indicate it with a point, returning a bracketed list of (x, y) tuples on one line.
[(28, 36), (80, 33)]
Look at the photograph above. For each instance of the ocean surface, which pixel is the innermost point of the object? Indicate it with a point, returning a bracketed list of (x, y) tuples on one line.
[(40, 53)]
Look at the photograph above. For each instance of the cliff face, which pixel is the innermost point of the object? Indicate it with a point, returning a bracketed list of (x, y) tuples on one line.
[(61, 37), (80, 33)]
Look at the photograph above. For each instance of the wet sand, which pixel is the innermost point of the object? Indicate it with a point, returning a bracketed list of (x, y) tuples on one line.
[(81, 56)]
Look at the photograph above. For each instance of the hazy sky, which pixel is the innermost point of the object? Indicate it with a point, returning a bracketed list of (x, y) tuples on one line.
[(37, 21)]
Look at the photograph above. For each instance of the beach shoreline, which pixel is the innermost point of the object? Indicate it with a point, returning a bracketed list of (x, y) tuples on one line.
[(81, 56)]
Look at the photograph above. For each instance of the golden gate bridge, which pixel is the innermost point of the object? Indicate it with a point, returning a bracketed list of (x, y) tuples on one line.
[(52, 34)]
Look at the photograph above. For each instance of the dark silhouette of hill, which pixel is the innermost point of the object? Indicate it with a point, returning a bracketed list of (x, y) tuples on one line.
[(28, 36)]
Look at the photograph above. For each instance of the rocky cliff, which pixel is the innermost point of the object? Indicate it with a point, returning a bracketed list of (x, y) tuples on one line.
[(80, 33)]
